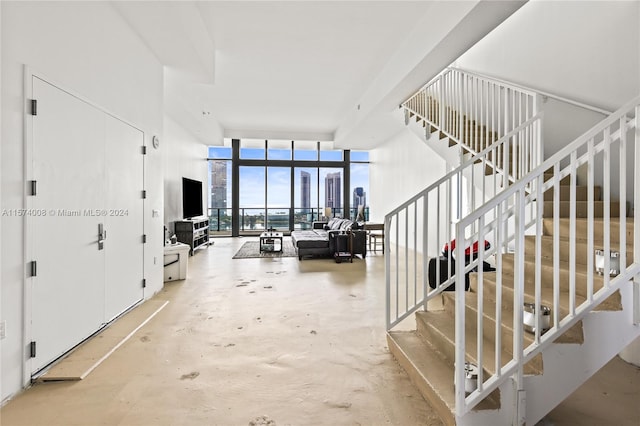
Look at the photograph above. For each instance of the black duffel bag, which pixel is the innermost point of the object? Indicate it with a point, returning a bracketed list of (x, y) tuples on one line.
[(444, 274), (471, 253)]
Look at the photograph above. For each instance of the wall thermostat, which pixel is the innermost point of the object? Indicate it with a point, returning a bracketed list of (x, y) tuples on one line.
[(155, 141)]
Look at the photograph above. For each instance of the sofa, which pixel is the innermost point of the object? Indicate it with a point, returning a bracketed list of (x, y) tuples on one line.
[(322, 240)]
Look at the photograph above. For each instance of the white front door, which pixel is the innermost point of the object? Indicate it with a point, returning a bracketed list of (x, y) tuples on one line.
[(124, 220), (88, 170)]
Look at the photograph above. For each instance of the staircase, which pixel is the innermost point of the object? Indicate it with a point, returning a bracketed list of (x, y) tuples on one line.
[(544, 227), (466, 112)]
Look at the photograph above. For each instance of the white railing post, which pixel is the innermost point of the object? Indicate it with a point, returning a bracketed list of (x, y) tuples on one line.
[(590, 216), (480, 307), (606, 205), (572, 234), (460, 322), (518, 305), (539, 148), (636, 218), (387, 269), (460, 104), (622, 178), (538, 250), (499, 251), (425, 251), (441, 97)]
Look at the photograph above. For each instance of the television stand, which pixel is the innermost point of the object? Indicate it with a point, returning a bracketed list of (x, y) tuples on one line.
[(193, 232)]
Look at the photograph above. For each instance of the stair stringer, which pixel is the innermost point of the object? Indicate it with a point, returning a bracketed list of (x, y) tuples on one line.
[(568, 366), (451, 154), (501, 416), (440, 146)]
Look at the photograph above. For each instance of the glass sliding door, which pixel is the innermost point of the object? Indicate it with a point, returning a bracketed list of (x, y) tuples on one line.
[(330, 186), (278, 197), (305, 197), (219, 194), (252, 198), (359, 191)]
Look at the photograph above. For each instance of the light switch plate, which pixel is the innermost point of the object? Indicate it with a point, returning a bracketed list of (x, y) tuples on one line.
[(3, 329)]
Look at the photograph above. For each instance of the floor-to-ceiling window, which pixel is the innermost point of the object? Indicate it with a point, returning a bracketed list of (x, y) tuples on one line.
[(253, 198), (305, 197), (220, 181), (284, 185), (359, 188), (278, 197), (331, 189)]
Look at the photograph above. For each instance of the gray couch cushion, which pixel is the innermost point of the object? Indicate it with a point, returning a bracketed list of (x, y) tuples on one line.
[(310, 238), (337, 224)]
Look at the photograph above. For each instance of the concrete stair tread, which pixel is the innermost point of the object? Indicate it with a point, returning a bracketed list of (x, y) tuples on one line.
[(573, 335), (438, 328), (432, 373), (581, 209), (427, 370), (546, 267), (548, 175), (582, 255), (581, 272), (582, 228), (612, 303), (489, 332), (597, 243), (581, 193)]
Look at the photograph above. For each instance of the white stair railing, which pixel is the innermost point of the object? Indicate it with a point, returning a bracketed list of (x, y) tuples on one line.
[(499, 126), (475, 111), (610, 154)]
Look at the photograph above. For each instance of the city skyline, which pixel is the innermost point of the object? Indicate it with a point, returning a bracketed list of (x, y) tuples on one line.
[(271, 187), (253, 183)]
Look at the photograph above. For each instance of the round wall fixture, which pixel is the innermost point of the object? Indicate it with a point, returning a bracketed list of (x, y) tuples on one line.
[(155, 141)]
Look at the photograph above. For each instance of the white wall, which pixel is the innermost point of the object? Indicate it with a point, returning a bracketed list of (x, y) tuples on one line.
[(399, 169), (185, 157), (582, 50), (87, 48)]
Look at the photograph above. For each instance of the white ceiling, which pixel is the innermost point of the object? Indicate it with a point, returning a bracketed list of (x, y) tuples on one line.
[(316, 70)]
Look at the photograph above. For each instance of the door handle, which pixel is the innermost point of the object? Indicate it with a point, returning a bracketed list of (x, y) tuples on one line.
[(102, 235)]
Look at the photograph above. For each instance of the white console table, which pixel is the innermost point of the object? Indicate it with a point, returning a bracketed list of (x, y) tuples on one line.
[(175, 261)]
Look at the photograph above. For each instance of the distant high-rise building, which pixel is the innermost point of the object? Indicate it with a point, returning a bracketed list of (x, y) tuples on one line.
[(359, 198), (305, 190), (219, 184), (333, 190)]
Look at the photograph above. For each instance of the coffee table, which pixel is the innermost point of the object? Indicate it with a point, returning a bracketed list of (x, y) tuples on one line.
[(271, 241)]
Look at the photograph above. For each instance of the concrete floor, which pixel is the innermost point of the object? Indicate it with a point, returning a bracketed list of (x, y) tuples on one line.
[(279, 342)]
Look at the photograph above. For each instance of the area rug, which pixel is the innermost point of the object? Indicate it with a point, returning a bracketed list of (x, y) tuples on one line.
[(251, 249)]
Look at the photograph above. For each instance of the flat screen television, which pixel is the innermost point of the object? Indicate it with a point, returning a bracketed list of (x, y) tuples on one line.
[(191, 198)]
